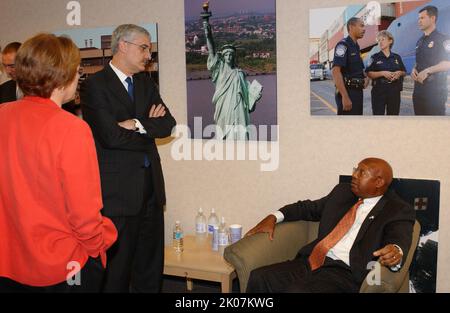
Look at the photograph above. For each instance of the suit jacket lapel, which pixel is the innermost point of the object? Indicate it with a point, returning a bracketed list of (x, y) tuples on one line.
[(139, 96), (118, 89), (371, 216)]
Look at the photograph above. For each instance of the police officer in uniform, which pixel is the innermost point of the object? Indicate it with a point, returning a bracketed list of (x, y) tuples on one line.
[(386, 69), (348, 71), (432, 64)]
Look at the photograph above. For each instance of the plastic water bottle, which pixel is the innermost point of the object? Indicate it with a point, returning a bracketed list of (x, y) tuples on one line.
[(178, 237), (213, 220), (223, 236), (200, 223), (223, 233), (215, 240)]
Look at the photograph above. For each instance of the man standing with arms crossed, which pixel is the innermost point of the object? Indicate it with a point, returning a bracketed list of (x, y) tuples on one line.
[(122, 105)]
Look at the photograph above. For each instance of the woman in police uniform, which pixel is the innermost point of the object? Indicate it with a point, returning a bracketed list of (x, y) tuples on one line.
[(386, 70)]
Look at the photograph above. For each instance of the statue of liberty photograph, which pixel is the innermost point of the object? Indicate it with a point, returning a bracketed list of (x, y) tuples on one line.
[(234, 96), (231, 54)]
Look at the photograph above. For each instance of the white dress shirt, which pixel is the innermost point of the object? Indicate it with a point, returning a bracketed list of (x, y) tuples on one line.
[(341, 251), (122, 78), (19, 93)]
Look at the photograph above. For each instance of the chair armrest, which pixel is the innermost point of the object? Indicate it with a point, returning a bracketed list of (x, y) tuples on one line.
[(389, 281), (384, 282), (256, 251)]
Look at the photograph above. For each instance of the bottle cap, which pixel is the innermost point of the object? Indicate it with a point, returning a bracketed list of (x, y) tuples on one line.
[(200, 210)]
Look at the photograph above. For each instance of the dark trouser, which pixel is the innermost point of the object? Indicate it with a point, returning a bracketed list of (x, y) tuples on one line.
[(136, 260), (91, 276), (296, 276), (385, 100), (429, 99), (357, 97)]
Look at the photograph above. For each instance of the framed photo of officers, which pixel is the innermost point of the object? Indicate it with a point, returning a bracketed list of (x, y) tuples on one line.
[(380, 59)]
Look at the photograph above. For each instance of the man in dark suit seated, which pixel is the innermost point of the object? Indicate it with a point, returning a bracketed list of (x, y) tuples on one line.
[(9, 91), (359, 223)]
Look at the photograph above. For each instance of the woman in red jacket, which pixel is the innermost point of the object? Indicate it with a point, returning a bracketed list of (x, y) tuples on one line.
[(52, 234)]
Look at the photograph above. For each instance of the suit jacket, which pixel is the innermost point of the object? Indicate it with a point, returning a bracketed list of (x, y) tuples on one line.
[(8, 91), (391, 221), (105, 102)]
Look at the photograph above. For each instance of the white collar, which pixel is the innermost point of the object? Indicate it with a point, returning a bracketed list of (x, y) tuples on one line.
[(119, 73), (372, 201)]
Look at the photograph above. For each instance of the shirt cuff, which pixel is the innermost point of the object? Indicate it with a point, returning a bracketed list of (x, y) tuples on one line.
[(139, 126), (279, 216), (397, 267)]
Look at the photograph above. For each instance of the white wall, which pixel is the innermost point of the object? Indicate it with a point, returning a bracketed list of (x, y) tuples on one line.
[(313, 150)]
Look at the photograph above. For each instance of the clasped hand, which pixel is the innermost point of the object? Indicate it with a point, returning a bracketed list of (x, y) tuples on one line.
[(420, 77), (391, 76)]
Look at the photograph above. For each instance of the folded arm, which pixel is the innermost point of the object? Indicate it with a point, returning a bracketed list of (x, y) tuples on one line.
[(159, 122), (105, 127)]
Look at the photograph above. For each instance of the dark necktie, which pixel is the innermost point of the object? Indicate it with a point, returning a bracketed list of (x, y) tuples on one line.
[(317, 257), (130, 90)]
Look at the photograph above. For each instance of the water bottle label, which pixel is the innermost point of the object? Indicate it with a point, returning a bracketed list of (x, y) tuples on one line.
[(216, 237), (223, 239), (200, 228), (210, 228), (178, 236)]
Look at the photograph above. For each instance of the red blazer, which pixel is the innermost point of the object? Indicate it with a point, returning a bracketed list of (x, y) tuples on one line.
[(50, 196)]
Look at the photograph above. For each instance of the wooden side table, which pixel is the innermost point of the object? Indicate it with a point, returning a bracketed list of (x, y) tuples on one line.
[(198, 261)]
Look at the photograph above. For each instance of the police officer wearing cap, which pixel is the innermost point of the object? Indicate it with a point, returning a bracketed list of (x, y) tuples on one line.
[(386, 69), (432, 63), (348, 71)]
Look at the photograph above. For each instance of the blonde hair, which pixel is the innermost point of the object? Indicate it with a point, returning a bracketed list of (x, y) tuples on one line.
[(388, 35)]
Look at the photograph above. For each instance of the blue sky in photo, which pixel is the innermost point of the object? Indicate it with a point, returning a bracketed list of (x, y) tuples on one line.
[(79, 35)]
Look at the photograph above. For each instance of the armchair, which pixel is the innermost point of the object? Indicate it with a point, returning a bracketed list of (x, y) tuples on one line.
[(256, 251)]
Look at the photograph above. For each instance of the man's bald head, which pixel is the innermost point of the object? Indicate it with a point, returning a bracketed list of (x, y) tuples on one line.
[(381, 168), (372, 178)]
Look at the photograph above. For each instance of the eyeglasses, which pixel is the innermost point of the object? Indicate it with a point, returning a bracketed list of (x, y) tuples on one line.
[(11, 66), (361, 172), (143, 47)]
